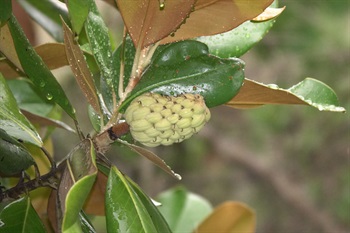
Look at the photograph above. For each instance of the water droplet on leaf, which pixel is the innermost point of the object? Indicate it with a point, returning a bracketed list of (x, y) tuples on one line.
[(49, 96)]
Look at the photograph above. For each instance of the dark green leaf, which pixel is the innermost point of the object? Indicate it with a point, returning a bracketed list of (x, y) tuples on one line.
[(157, 218), (5, 11), (238, 41), (14, 157), (76, 183), (98, 37), (12, 120), (186, 67), (47, 15), (125, 211), (36, 70), (86, 225), (183, 210), (19, 216)]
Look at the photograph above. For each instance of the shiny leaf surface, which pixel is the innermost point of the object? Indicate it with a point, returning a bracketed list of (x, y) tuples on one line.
[(33, 65), (238, 41), (12, 120), (20, 216), (186, 67), (230, 217), (212, 17), (76, 183), (158, 220), (308, 92), (148, 22), (125, 211), (14, 157), (183, 210), (97, 34)]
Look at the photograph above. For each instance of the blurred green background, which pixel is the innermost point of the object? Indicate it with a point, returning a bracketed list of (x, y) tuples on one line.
[(289, 163)]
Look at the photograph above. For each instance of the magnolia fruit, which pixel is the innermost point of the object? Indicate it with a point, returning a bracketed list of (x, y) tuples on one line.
[(156, 120)]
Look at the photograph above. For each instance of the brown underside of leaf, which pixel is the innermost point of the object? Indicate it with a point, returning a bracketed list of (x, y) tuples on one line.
[(230, 217), (95, 204), (7, 47), (212, 17), (154, 159), (43, 121), (53, 55), (80, 69), (148, 23), (253, 94)]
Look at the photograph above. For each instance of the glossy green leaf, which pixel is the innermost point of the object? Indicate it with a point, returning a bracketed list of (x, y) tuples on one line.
[(157, 218), (29, 98), (5, 12), (76, 183), (78, 11), (14, 157), (86, 225), (125, 211), (36, 70), (97, 34), (19, 216), (12, 120), (187, 67), (47, 15), (183, 210), (308, 92), (238, 41)]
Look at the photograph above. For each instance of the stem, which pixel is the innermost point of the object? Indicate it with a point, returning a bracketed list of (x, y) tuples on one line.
[(50, 179), (122, 66), (141, 60)]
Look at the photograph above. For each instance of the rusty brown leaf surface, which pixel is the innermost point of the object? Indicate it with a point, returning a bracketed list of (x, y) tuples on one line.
[(53, 54), (7, 47), (230, 217), (148, 21), (95, 204), (80, 68), (212, 17), (253, 94)]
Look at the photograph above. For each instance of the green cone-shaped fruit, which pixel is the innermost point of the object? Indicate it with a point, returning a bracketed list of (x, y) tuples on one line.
[(163, 120)]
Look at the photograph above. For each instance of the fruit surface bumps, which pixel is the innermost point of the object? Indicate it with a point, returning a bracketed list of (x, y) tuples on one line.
[(156, 120)]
